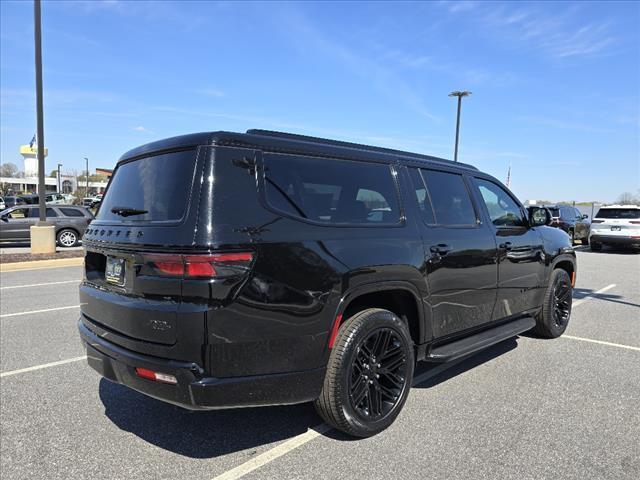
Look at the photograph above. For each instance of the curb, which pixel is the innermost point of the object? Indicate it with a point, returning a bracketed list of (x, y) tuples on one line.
[(40, 264)]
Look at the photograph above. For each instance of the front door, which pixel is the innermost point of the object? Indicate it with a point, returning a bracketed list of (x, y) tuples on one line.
[(521, 267), (460, 253), (16, 226)]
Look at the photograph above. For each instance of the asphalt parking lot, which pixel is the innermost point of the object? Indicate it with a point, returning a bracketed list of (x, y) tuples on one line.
[(526, 408)]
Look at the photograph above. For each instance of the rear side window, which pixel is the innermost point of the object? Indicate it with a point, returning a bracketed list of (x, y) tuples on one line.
[(71, 212), (450, 198), (621, 213), (50, 212), (331, 191), (153, 188)]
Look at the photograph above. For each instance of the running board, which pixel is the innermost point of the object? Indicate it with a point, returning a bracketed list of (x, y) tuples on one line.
[(479, 341)]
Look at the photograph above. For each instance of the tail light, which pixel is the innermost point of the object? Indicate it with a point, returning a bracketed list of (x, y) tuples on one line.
[(635, 222), (215, 265), (597, 221)]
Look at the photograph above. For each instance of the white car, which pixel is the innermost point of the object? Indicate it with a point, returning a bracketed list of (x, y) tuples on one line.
[(2, 204), (615, 225)]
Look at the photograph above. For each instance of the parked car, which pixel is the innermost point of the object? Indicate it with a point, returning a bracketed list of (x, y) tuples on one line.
[(264, 268), (70, 223), (2, 204), (615, 225), (12, 201), (572, 221), (50, 199)]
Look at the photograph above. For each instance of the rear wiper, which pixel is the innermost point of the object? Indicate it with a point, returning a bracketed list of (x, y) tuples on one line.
[(127, 211)]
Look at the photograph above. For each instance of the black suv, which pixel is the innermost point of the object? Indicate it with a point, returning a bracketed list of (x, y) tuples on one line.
[(572, 221), (228, 269)]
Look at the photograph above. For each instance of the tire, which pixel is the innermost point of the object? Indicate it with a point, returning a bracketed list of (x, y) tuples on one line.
[(382, 384), (67, 238), (596, 247), (556, 309)]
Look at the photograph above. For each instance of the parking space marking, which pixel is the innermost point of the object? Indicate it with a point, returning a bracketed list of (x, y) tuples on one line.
[(601, 342), (6, 315), (313, 432), (592, 295), (39, 284), (40, 367)]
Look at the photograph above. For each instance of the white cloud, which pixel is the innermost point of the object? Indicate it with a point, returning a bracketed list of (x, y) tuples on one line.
[(140, 128)]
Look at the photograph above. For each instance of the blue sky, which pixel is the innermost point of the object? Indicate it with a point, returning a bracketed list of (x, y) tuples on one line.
[(556, 86)]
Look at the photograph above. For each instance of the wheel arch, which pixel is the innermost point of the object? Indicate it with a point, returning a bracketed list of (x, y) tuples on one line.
[(399, 297)]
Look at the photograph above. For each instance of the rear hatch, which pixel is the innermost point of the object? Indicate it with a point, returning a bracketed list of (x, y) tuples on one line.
[(617, 221), (130, 294)]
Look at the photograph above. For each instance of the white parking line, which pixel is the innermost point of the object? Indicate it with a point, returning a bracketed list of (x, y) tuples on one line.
[(592, 295), (6, 315), (600, 342), (39, 284), (40, 367), (313, 432)]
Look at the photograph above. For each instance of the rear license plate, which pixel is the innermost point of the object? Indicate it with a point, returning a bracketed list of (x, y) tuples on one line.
[(616, 229), (114, 271)]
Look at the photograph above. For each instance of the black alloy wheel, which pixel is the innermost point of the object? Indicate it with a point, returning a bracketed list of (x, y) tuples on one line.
[(378, 374), (553, 320), (369, 373), (562, 301)]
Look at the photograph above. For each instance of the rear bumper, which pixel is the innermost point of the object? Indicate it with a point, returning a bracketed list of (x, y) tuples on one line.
[(615, 240), (194, 390)]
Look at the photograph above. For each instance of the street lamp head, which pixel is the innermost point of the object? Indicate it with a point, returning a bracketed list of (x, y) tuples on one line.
[(460, 94)]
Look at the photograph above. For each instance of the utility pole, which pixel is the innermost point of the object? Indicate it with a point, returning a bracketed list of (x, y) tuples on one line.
[(86, 189), (39, 111), (459, 95), (59, 182)]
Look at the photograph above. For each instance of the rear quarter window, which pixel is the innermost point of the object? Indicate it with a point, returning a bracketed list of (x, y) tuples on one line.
[(330, 191), (71, 212)]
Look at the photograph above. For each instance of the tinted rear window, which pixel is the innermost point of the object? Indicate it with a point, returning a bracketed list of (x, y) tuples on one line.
[(555, 212), (71, 212), (159, 185), (622, 213), (331, 191)]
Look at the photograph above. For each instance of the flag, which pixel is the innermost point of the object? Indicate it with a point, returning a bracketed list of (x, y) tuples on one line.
[(508, 182), (33, 140)]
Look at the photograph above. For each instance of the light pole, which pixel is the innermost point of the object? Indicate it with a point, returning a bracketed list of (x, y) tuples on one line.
[(39, 111), (459, 95), (59, 182), (86, 189)]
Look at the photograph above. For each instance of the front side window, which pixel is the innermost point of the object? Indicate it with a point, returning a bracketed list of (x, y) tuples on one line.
[(19, 213), (331, 191), (50, 212), (450, 198), (503, 209)]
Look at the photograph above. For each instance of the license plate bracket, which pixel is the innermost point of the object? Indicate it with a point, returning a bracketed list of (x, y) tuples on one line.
[(114, 271)]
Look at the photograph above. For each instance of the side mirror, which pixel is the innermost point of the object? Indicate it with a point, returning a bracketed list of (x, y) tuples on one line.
[(539, 216)]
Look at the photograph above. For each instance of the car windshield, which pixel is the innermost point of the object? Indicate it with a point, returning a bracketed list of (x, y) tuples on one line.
[(621, 213)]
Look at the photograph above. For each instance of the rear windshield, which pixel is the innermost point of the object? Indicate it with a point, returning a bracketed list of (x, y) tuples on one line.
[(628, 213), (150, 189)]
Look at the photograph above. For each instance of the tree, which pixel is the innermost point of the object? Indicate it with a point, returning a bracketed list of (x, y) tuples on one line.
[(8, 170), (628, 198)]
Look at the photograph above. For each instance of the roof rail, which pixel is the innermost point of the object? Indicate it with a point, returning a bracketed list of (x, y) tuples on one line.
[(358, 146)]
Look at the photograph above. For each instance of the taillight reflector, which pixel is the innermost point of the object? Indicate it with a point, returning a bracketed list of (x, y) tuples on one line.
[(156, 376)]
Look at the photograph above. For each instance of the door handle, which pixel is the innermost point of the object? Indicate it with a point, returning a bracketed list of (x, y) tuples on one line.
[(441, 249), (505, 245)]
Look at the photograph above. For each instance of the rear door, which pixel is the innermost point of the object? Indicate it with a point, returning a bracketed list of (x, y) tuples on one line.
[(460, 252), (521, 267)]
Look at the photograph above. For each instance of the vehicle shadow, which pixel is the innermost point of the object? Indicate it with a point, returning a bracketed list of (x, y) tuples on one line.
[(579, 293), (220, 432), (206, 434)]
